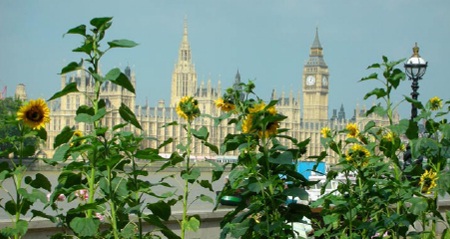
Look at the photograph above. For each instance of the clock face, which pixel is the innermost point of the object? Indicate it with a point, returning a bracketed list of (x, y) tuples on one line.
[(310, 80), (325, 81)]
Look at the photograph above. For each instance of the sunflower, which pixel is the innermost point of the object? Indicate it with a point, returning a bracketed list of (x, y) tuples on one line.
[(258, 112), (225, 106), (35, 114), (389, 136), (353, 130), (357, 153), (325, 131), (187, 108), (75, 141), (435, 103), (78, 133), (428, 181)]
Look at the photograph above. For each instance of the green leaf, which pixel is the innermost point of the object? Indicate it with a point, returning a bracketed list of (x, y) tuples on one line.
[(160, 209), (42, 134), (205, 198), (41, 182), (378, 92), (33, 196), (68, 179), (86, 110), (201, 134), (10, 207), (20, 229), (193, 224), (206, 184), (123, 43), (165, 143), (375, 65), (128, 231), (118, 185), (174, 159), (72, 66), (69, 88), (81, 29), (217, 171), (154, 220), (87, 118), (85, 227), (149, 153), (87, 47), (100, 22), (284, 158), (128, 116), (119, 78), (190, 176), (63, 137), (212, 147), (100, 114), (101, 131), (416, 103), (256, 186), (61, 153), (28, 151), (418, 205), (377, 109), (84, 118), (296, 192), (37, 213), (5, 172), (397, 76)]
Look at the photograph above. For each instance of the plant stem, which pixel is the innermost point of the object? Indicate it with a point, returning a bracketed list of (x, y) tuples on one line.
[(186, 182), (112, 204), (18, 177), (136, 197)]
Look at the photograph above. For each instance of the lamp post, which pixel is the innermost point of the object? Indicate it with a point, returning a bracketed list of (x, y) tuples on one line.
[(415, 68)]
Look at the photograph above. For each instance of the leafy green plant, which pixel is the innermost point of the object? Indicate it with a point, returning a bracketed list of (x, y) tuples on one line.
[(378, 195), (25, 130), (100, 166), (265, 171), (188, 110)]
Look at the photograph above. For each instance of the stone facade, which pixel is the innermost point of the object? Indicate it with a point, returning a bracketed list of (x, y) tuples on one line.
[(302, 123)]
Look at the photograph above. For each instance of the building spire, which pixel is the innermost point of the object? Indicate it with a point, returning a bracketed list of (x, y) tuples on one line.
[(316, 43), (316, 52), (184, 77), (185, 27)]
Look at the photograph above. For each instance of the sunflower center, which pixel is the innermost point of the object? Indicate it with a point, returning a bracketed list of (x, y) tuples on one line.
[(34, 115)]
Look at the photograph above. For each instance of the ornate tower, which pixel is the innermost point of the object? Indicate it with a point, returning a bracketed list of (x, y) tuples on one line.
[(184, 77), (20, 94), (315, 84)]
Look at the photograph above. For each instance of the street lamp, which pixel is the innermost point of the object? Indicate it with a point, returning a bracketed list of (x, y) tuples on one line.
[(415, 68)]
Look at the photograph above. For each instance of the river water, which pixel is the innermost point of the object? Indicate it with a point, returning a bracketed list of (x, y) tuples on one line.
[(153, 177)]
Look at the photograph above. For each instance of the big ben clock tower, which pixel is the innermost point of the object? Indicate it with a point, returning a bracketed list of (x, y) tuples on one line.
[(315, 85)]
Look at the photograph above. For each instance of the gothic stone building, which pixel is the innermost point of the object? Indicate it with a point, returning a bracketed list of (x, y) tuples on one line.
[(305, 118)]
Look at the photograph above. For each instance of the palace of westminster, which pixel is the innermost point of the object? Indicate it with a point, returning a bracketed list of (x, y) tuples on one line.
[(304, 119)]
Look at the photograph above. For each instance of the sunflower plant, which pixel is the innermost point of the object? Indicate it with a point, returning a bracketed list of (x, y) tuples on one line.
[(188, 111), (380, 193), (101, 173), (26, 131), (265, 172)]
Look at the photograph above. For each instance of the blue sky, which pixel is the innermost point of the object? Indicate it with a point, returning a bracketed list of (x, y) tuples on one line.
[(268, 41)]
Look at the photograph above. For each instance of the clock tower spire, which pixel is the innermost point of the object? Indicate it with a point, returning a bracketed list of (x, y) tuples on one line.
[(315, 84)]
